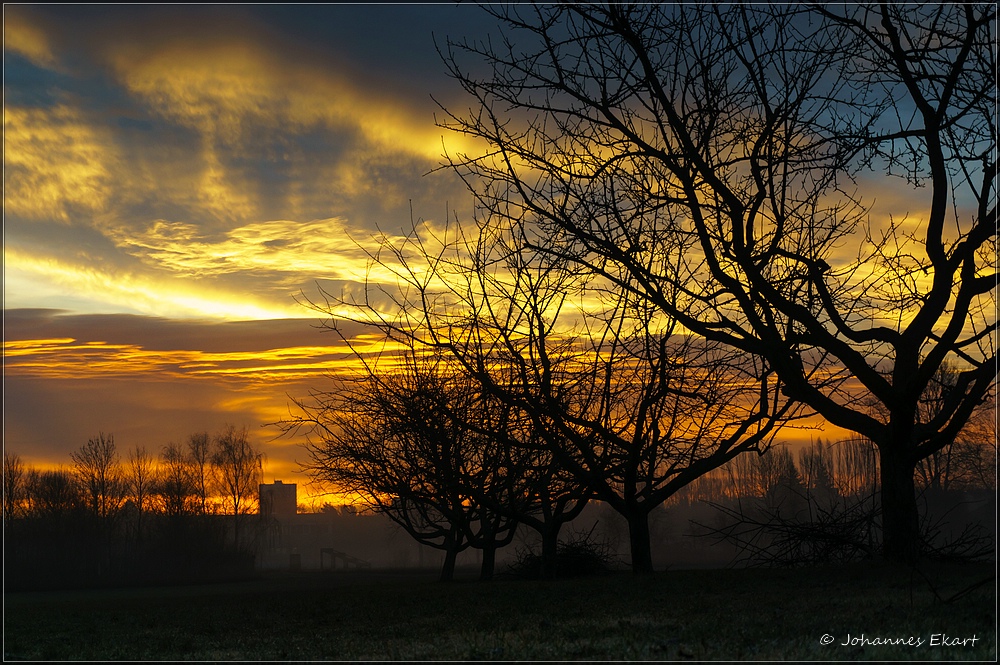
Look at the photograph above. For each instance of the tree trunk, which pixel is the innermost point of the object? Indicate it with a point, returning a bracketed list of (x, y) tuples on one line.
[(489, 561), (550, 548), (451, 546), (641, 549), (900, 517), (448, 569)]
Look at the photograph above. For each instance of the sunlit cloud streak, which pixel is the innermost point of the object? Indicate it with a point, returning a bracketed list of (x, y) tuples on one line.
[(138, 292), (285, 250), (68, 358)]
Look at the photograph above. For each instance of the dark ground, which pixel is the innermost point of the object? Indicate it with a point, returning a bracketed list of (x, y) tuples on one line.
[(766, 614)]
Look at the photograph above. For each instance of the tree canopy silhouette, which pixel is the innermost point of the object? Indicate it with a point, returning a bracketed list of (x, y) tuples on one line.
[(400, 440)]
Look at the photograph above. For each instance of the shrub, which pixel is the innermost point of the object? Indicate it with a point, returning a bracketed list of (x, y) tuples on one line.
[(580, 556)]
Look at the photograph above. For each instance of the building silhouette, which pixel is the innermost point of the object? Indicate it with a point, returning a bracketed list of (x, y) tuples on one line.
[(278, 499)]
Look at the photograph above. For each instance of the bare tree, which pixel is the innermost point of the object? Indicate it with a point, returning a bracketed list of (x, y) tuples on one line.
[(856, 468), (816, 465), (976, 449), (98, 469), (176, 483), (705, 158), (15, 486), (140, 480), (536, 491), (239, 468), (200, 451), (399, 439), (960, 463), (771, 476), (54, 493)]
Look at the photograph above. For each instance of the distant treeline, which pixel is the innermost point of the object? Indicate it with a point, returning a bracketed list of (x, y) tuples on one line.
[(825, 506), (847, 468), (177, 516), (187, 514)]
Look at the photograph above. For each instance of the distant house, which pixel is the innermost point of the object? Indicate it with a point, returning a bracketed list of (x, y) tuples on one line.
[(278, 499)]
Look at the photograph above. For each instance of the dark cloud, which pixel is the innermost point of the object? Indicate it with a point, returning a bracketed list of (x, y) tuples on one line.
[(27, 85), (383, 46), (161, 334)]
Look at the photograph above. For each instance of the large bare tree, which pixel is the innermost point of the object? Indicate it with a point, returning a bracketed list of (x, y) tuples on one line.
[(723, 163)]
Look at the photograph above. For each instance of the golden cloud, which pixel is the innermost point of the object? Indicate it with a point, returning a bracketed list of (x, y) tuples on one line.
[(54, 162), (22, 37), (216, 87), (59, 163), (319, 249), (153, 294)]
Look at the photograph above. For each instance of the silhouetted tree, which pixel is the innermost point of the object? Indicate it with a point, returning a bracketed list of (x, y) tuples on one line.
[(856, 468), (98, 469), (140, 480), (239, 469), (176, 482), (539, 493), (54, 493), (788, 486), (974, 454), (200, 451), (816, 469), (771, 476), (703, 158), (15, 486), (493, 473), (398, 438), (961, 462)]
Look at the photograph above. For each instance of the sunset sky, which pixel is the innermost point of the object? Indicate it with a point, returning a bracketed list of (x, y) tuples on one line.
[(177, 179)]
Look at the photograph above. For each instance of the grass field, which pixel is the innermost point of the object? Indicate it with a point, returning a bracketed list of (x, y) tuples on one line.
[(683, 614)]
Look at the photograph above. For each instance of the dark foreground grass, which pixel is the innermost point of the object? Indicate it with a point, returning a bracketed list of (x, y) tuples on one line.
[(676, 615)]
